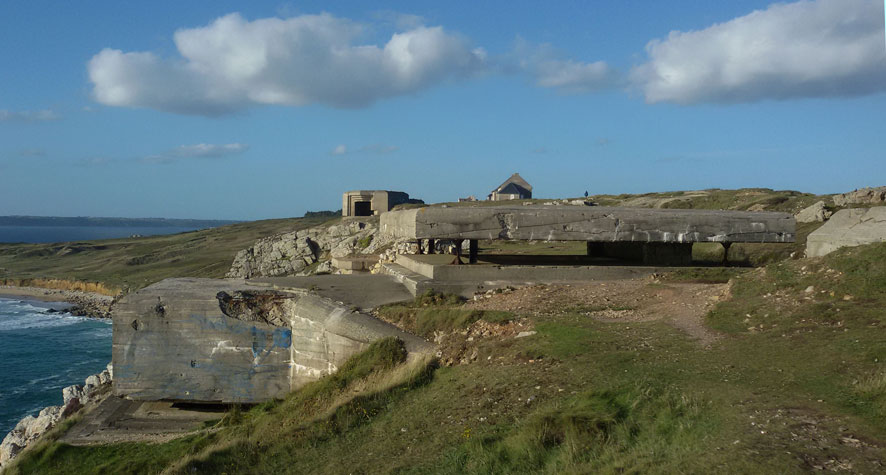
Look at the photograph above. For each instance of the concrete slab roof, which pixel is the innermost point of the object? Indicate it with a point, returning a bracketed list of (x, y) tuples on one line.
[(589, 223)]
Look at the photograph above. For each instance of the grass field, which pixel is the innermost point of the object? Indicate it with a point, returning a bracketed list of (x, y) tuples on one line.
[(796, 382), (133, 263)]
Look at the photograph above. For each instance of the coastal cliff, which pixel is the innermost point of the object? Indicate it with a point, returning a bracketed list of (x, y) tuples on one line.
[(76, 398)]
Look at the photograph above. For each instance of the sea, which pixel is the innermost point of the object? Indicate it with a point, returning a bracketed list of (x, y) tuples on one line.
[(38, 234), (42, 352)]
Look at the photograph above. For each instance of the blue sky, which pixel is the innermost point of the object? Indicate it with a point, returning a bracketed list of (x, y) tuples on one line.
[(266, 109)]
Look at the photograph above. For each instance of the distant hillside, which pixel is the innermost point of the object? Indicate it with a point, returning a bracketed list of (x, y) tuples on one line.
[(132, 263), (113, 222)]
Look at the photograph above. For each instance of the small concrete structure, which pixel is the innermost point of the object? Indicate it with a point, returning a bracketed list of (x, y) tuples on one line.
[(349, 264), (847, 228), (514, 188), (370, 202), (653, 236), (230, 340)]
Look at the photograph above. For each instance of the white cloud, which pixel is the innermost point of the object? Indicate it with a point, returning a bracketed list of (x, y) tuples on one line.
[(28, 116), (549, 70), (821, 48), (233, 63), (339, 150), (202, 150)]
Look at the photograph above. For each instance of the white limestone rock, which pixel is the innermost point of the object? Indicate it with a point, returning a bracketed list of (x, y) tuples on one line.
[(71, 392), (292, 253), (92, 382), (863, 196), (847, 228), (817, 212), (12, 444), (104, 377)]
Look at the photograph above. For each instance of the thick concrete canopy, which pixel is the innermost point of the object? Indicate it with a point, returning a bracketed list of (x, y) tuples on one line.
[(589, 223)]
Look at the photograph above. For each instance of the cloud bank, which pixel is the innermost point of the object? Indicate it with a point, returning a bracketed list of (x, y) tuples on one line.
[(822, 48), (232, 64), (548, 69)]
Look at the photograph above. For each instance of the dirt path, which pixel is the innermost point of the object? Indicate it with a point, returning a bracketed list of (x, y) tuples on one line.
[(643, 299)]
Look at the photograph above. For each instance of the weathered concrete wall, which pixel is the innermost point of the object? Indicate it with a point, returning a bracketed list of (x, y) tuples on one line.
[(380, 200), (232, 341), (522, 273), (848, 227), (589, 223)]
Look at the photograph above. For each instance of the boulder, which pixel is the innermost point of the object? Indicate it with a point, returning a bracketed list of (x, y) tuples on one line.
[(846, 228), (92, 382), (817, 212), (70, 392), (863, 196), (12, 444), (104, 377)]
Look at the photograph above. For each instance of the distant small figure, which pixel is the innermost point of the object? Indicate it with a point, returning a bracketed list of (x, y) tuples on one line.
[(586, 193)]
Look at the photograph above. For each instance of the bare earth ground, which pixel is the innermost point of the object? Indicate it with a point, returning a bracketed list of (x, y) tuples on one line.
[(644, 299)]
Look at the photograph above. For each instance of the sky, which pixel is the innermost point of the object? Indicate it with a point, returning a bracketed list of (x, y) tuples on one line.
[(253, 110)]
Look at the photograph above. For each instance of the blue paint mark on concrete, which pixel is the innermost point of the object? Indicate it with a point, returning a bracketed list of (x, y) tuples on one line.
[(283, 338)]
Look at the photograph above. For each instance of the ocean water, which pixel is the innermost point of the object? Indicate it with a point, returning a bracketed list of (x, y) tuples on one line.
[(41, 353), (35, 234)]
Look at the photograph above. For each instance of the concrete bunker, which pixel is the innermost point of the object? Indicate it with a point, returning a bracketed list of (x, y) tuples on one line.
[(654, 237), (232, 341), (371, 202)]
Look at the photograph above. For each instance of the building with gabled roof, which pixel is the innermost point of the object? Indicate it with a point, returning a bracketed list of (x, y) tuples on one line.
[(514, 188)]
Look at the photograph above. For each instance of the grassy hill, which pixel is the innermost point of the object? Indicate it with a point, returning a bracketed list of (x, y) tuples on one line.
[(132, 263), (794, 382)]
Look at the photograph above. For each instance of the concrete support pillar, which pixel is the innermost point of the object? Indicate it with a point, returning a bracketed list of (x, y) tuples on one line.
[(432, 244), (458, 243), (726, 246), (474, 251)]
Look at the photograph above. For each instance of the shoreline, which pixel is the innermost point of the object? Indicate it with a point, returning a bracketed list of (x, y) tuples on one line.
[(87, 304)]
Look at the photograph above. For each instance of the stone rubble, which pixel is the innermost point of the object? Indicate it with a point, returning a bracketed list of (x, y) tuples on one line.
[(29, 429), (862, 196), (294, 253)]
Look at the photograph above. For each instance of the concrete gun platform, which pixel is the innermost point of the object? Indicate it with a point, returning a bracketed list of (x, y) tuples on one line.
[(589, 223), (233, 340)]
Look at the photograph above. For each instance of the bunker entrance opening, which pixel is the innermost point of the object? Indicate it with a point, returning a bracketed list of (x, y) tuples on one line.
[(363, 208)]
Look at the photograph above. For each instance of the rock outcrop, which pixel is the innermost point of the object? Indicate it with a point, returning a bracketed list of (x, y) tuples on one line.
[(29, 429), (848, 227), (863, 196), (818, 212), (294, 253)]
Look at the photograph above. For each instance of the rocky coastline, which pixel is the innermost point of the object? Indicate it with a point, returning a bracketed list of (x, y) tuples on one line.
[(83, 304), (75, 399)]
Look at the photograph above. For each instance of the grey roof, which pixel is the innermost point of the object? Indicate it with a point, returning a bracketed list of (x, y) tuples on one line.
[(513, 189), (515, 179)]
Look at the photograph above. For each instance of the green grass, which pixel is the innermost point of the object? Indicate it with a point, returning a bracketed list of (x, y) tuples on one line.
[(133, 263), (793, 380), (583, 396), (258, 440)]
